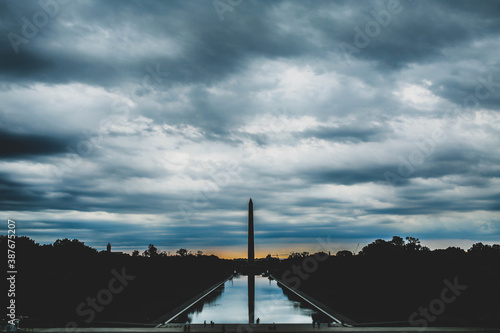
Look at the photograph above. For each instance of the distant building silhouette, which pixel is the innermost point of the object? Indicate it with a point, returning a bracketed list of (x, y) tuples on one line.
[(108, 248)]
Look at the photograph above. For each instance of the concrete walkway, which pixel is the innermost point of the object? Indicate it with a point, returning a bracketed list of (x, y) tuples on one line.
[(338, 317), (166, 318)]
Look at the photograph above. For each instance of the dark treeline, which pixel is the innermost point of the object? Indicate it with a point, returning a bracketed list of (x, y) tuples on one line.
[(56, 283), (387, 281), (402, 281)]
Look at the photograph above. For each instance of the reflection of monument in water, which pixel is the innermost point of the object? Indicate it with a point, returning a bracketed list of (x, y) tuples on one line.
[(251, 266)]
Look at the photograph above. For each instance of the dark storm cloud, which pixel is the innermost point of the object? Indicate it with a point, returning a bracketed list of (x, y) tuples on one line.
[(11, 190), (308, 202), (471, 91), (439, 165), (428, 207), (346, 176), (212, 49), (18, 196), (23, 65), (416, 33), (19, 145), (345, 133)]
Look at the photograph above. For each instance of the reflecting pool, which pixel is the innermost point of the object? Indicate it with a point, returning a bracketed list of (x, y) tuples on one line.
[(230, 304)]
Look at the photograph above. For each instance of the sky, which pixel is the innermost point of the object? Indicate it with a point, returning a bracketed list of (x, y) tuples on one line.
[(138, 122)]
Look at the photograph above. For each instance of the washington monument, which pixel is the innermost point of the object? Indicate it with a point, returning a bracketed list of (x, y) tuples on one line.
[(251, 252)]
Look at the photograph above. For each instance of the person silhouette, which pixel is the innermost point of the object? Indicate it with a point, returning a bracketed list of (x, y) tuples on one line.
[(258, 321), (204, 323)]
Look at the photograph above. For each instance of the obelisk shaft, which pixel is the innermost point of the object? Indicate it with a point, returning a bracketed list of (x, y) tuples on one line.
[(251, 252)]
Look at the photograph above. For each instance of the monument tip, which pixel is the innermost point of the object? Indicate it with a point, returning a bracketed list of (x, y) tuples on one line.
[(250, 200)]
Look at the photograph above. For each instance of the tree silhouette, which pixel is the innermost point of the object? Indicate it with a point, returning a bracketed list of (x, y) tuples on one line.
[(396, 246), (413, 244), (398, 241), (344, 253), (378, 247), (73, 247), (295, 255), (82, 270), (480, 249), (152, 251)]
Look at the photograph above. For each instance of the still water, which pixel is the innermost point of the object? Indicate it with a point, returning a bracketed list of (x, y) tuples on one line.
[(229, 304)]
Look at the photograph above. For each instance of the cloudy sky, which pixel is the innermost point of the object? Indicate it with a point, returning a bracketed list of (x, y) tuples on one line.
[(154, 122)]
